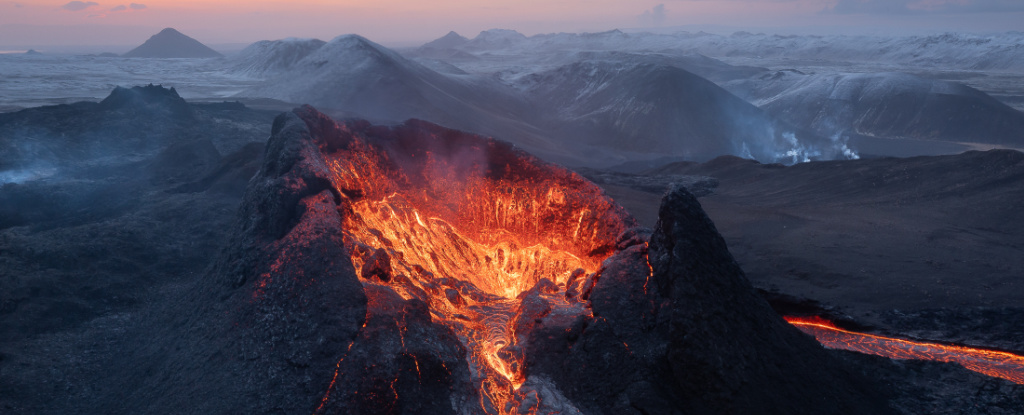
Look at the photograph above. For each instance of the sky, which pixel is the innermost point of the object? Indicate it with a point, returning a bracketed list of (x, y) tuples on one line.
[(24, 23)]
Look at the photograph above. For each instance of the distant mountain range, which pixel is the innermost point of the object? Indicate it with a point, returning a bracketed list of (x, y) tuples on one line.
[(613, 97), (895, 105), (945, 51), (602, 109)]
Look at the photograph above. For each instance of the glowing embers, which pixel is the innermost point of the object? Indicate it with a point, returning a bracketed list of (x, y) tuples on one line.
[(488, 237), (474, 288), (990, 362), (431, 245)]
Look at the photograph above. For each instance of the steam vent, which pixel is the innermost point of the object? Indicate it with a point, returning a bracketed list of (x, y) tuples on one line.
[(415, 269)]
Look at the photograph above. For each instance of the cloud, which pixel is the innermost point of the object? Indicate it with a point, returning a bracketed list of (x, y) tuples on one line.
[(654, 16), (923, 6), (79, 5), (133, 6)]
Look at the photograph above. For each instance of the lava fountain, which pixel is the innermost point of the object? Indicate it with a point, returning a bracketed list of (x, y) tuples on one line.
[(989, 362), (468, 225)]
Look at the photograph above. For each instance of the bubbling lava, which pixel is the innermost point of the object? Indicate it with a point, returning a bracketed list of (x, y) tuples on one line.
[(469, 225)]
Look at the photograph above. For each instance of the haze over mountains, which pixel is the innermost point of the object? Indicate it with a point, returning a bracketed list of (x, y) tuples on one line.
[(600, 99), (602, 109), (896, 105), (160, 254)]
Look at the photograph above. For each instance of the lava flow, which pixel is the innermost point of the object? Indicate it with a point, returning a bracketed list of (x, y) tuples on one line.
[(469, 226), (989, 362)]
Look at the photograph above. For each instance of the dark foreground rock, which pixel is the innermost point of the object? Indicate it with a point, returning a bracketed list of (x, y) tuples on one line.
[(283, 314), (281, 321)]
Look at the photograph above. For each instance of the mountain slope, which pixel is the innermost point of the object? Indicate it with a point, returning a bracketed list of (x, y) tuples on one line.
[(170, 43), (893, 105), (663, 110), (354, 75), (271, 57)]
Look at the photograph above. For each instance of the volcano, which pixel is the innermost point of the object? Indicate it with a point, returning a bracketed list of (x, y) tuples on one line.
[(170, 43), (418, 269)]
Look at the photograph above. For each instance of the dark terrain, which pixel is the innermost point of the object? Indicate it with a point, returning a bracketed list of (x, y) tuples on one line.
[(136, 194), (930, 247), (126, 267)]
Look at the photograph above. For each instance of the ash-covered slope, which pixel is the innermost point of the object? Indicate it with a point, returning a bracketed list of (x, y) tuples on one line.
[(130, 121), (284, 322), (653, 109), (356, 76), (891, 105), (869, 235), (123, 200), (170, 43), (271, 57)]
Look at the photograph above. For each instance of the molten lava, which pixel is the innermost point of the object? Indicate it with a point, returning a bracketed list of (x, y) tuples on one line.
[(989, 362), (468, 226)]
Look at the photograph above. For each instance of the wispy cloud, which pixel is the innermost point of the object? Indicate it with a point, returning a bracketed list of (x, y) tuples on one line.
[(76, 5), (655, 16), (923, 6)]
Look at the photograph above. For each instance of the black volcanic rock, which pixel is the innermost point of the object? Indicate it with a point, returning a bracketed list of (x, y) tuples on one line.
[(170, 43), (685, 332), (691, 337), (147, 99), (130, 121), (267, 326), (765, 363), (402, 363), (139, 119)]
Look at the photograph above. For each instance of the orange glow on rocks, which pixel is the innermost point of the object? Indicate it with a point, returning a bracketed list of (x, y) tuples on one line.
[(473, 227), (989, 362)]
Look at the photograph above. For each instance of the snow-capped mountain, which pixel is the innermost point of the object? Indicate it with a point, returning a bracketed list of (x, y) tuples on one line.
[(271, 57), (612, 109), (661, 109), (891, 105), (949, 51), (354, 75)]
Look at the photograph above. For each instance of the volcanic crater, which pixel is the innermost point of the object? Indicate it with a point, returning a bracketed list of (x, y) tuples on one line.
[(427, 270)]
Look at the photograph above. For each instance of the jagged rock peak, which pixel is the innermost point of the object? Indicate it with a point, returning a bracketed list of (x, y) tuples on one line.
[(146, 97)]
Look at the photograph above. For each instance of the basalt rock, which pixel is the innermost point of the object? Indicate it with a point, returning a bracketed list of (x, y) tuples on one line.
[(667, 323), (677, 328)]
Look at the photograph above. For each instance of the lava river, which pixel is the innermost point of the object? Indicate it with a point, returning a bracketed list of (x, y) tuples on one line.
[(467, 227), (990, 362)]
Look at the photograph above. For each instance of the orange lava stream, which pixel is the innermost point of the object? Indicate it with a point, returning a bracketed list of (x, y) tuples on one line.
[(993, 363), (468, 240)]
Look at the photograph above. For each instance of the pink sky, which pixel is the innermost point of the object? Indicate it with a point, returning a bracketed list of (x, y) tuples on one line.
[(117, 22)]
